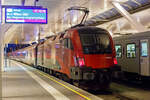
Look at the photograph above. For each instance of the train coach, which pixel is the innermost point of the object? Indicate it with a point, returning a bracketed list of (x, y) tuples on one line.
[(133, 55), (82, 54)]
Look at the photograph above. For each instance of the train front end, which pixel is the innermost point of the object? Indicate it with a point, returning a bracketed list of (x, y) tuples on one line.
[(94, 57)]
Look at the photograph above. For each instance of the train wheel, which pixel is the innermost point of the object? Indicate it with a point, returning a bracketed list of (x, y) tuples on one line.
[(66, 78), (81, 84), (37, 67), (46, 70), (60, 77), (76, 83)]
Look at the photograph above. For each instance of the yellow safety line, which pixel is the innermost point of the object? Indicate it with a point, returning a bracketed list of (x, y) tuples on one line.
[(63, 85)]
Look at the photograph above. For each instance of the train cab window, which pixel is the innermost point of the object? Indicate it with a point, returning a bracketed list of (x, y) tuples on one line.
[(95, 42), (118, 49), (131, 51), (144, 49)]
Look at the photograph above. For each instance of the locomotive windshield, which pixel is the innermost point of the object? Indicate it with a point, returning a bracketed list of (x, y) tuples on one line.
[(95, 42)]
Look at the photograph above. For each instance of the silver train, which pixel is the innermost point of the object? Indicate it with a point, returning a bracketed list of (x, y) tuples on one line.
[(133, 55)]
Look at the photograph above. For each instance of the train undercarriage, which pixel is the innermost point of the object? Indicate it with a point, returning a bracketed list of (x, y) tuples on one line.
[(88, 80)]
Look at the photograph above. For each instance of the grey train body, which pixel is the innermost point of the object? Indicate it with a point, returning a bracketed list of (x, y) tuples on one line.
[(133, 54)]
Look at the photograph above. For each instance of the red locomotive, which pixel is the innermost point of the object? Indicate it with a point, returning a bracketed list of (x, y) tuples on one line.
[(84, 55)]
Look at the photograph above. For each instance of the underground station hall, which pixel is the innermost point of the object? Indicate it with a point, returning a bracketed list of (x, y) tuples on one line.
[(74, 49)]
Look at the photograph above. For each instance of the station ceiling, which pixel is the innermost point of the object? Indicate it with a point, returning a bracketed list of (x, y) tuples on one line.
[(58, 19)]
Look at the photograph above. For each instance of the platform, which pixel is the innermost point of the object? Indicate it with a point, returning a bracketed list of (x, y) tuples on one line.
[(22, 82)]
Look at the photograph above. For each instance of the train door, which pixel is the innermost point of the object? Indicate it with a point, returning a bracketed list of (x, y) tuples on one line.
[(144, 58), (132, 54), (67, 47), (65, 51)]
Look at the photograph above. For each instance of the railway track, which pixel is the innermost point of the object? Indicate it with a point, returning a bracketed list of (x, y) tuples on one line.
[(124, 92)]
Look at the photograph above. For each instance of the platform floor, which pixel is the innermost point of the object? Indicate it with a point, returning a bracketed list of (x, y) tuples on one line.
[(22, 82)]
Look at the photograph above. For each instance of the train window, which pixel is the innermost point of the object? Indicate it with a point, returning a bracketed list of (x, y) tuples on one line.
[(144, 51), (67, 43), (118, 49), (131, 51), (97, 42), (70, 46)]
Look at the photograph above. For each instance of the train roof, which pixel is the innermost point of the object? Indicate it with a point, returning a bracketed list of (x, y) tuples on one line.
[(132, 36), (84, 27)]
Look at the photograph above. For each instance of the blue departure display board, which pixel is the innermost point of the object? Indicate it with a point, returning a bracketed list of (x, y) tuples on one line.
[(26, 15)]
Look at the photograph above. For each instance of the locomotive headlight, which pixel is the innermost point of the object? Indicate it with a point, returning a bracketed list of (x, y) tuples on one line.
[(81, 62)]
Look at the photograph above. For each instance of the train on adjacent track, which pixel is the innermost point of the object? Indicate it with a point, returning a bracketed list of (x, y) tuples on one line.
[(133, 55), (84, 55)]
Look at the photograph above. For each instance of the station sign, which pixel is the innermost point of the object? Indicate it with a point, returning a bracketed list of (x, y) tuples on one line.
[(25, 15)]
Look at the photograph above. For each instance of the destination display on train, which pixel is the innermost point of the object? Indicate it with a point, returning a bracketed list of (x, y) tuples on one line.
[(26, 15)]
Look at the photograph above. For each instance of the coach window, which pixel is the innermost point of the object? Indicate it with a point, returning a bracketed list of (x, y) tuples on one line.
[(118, 49), (131, 51), (144, 51)]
